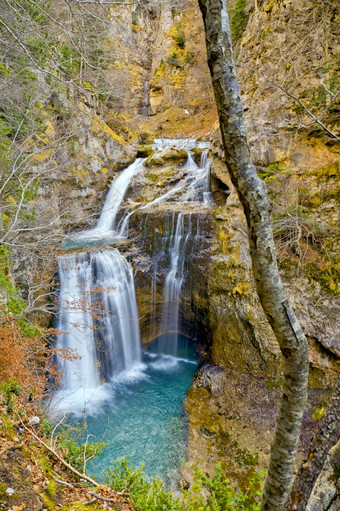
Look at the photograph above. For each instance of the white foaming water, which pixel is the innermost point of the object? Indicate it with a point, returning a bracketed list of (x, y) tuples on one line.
[(105, 228), (168, 362), (178, 143), (116, 195), (173, 283), (98, 320)]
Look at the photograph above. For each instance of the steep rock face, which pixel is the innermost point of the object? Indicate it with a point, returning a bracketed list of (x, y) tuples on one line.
[(295, 157), (292, 44)]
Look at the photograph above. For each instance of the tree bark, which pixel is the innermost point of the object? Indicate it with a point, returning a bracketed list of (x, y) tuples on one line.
[(324, 439), (253, 196)]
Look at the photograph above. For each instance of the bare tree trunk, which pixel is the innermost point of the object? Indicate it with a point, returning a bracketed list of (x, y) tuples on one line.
[(324, 439), (253, 196)]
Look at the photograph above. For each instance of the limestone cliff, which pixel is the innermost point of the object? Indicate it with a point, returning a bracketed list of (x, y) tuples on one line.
[(152, 80)]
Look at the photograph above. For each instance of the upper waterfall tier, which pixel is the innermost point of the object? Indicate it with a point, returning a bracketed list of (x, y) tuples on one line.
[(190, 183), (105, 231)]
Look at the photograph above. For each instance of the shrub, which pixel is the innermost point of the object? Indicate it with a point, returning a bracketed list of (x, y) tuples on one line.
[(206, 494)]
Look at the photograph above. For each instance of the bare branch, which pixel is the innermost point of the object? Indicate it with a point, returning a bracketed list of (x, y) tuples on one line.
[(307, 110)]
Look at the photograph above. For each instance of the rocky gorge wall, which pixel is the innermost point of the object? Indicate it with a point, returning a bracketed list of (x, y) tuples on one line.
[(158, 85), (295, 157)]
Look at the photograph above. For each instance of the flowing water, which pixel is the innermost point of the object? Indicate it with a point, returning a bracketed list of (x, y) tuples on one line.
[(133, 399)]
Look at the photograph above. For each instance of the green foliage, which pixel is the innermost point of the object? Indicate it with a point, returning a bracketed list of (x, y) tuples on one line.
[(41, 48), (70, 59), (180, 40), (172, 59), (32, 9), (145, 495), (206, 494), (189, 57), (270, 171), (10, 389), (239, 20), (76, 447), (14, 303)]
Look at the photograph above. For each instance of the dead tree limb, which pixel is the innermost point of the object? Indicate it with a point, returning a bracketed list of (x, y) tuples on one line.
[(333, 135)]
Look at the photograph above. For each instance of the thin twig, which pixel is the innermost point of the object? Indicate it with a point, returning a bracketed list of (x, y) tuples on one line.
[(60, 481), (55, 427), (306, 109)]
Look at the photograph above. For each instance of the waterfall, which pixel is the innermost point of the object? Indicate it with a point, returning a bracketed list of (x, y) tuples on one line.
[(115, 196), (98, 321), (105, 231), (98, 318), (173, 284), (76, 324)]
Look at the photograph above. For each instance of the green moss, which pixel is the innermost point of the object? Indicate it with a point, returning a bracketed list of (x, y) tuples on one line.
[(51, 489), (47, 502), (264, 33), (268, 172), (145, 151), (238, 20), (246, 458), (274, 384), (330, 170), (148, 159), (269, 7), (242, 289), (318, 413), (80, 506), (7, 426)]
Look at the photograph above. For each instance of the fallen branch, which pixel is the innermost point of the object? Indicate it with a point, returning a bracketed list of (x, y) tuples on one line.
[(307, 110), (64, 483), (72, 469), (10, 448), (105, 499), (65, 463)]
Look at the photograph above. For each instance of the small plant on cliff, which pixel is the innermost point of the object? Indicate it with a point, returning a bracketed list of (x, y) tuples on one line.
[(172, 59), (180, 40), (238, 20)]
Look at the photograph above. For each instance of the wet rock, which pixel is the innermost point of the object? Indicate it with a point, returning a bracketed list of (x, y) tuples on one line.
[(163, 156)]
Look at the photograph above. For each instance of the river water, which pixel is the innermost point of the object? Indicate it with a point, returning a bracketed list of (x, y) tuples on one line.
[(144, 418)]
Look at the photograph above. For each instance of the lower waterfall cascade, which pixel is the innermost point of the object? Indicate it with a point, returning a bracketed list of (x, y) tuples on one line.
[(98, 316)]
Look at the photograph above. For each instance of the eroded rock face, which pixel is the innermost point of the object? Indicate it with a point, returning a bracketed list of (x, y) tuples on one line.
[(295, 160), (294, 45)]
